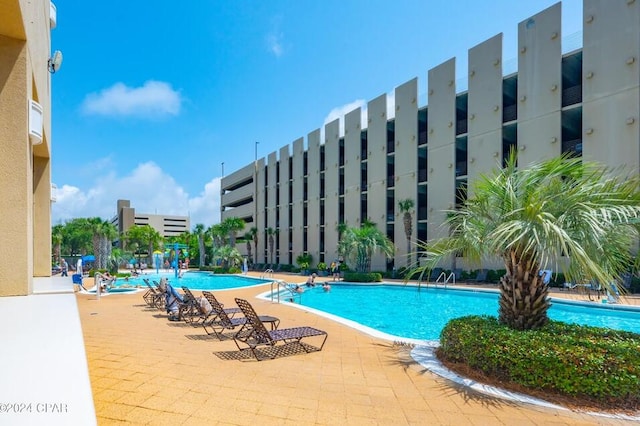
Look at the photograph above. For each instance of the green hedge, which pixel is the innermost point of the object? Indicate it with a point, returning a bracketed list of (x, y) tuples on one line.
[(589, 362), (362, 277), (220, 269)]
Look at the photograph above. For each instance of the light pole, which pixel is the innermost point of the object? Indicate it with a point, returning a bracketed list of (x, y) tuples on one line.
[(256, 155), (222, 164)]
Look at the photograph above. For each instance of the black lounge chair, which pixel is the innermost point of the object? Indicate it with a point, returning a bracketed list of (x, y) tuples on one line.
[(480, 277), (255, 334), (435, 273), (190, 309), (153, 297), (220, 319)]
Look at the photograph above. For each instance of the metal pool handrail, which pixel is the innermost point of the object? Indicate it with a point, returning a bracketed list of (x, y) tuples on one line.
[(280, 284)]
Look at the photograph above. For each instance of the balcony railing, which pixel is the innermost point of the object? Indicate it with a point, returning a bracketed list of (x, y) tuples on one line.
[(509, 113), (572, 95), (461, 126), (422, 137)]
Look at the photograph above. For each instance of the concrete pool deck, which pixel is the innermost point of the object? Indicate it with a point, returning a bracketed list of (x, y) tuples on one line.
[(147, 370)]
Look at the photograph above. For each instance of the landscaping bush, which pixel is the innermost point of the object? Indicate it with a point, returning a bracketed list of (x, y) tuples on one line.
[(286, 268), (362, 277), (493, 276), (220, 269), (597, 364)]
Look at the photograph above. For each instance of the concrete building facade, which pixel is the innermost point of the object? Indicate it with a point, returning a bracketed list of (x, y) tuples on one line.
[(584, 101), (166, 225), (25, 138)]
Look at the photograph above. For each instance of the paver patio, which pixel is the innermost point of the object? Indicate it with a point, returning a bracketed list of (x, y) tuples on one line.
[(147, 370)]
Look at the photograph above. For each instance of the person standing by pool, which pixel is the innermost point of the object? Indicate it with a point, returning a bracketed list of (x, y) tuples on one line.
[(65, 268), (335, 271)]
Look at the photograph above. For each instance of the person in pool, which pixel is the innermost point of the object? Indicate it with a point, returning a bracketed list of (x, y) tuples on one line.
[(311, 281), (326, 286)]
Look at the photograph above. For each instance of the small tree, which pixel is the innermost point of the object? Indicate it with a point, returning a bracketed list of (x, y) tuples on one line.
[(562, 207), (359, 244)]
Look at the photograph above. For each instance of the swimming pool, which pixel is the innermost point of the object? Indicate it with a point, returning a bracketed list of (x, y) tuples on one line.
[(195, 280), (406, 312)]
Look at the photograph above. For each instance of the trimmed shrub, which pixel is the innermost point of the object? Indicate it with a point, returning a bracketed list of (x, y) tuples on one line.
[(362, 277), (588, 362)]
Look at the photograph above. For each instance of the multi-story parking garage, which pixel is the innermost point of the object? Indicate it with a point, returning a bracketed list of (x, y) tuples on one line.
[(583, 100)]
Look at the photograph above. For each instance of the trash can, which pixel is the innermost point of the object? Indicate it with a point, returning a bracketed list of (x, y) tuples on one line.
[(77, 279)]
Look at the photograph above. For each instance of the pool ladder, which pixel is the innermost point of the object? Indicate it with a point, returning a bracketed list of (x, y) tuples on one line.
[(280, 286), (443, 279), (267, 272)]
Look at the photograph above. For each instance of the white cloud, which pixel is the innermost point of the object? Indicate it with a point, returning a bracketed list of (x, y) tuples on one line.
[(205, 208), (275, 38), (153, 99), (149, 189), (274, 42), (340, 111)]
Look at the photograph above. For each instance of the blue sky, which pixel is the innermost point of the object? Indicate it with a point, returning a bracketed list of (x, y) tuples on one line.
[(152, 97)]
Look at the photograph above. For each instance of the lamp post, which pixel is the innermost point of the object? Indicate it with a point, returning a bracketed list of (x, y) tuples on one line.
[(222, 164), (256, 151)]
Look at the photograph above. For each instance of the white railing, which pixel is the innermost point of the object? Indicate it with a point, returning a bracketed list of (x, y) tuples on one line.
[(281, 286), (267, 273), (444, 279)]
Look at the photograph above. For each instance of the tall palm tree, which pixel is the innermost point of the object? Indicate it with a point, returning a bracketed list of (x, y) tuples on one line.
[(198, 230), (218, 234), (108, 232), (233, 225), (253, 234), (405, 207), (56, 242), (247, 239), (359, 244), (533, 217), (270, 233)]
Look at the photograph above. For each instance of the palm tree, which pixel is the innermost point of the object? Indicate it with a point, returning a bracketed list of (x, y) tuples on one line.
[(247, 239), (233, 225), (229, 256), (359, 244), (107, 232), (405, 207), (270, 233), (253, 234), (533, 217), (199, 231), (218, 233), (141, 236), (56, 241)]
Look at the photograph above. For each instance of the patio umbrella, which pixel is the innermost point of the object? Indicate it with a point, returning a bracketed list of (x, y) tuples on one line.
[(88, 258)]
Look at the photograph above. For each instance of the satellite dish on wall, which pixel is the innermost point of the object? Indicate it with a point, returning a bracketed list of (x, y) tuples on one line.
[(55, 61)]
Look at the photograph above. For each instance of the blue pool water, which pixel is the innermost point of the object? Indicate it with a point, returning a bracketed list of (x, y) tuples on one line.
[(405, 311), (195, 281)]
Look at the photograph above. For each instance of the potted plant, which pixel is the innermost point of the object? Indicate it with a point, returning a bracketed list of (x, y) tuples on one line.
[(322, 269), (303, 261)]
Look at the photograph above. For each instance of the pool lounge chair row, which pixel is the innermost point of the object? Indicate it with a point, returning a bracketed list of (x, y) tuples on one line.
[(252, 333)]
